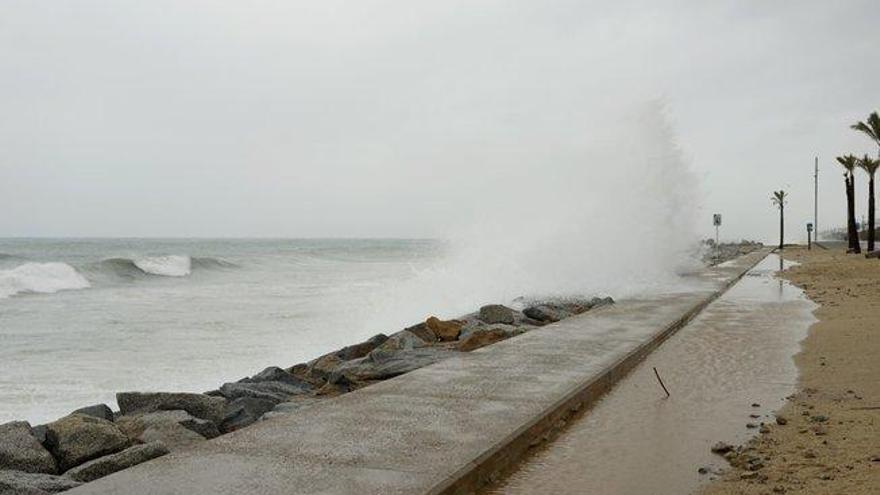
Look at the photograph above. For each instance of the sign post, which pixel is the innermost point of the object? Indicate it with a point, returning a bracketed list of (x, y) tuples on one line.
[(809, 236), (716, 221)]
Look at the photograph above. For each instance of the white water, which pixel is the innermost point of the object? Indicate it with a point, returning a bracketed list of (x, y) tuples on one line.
[(166, 266), (612, 213), (45, 278)]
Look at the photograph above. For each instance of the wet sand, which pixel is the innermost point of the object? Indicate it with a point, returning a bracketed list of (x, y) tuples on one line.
[(636, 441), (831, 442)]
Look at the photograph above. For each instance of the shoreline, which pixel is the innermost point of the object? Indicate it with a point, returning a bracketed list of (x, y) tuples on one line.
[(827, 440)]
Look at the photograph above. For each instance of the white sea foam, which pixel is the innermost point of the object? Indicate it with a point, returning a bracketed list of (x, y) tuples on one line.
[(45, 278), (610, 213), (166, 266)]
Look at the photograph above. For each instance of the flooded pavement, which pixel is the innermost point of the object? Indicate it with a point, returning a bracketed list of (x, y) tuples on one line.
[(736, 353)]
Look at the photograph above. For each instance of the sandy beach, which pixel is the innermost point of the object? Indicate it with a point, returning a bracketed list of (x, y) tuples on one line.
[(829, 438)]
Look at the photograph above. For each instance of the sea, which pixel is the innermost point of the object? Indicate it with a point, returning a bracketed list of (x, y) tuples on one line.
[(82, 319)]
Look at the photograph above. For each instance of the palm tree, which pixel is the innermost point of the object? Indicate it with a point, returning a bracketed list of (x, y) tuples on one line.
[(870, 166), (778, 200), (849, 163), (871, 128)]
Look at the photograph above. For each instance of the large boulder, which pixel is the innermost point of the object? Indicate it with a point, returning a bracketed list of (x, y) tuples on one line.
[(362, 349), (112, 463), (272, 383), (397, 363), (156, 427), (272, 374), (78, 438), (547, 313), (553, 311), (400, 341), (98, 410), (21, 483), (444, 330), (203, 427), (485, 336), (272, 391), (422, 331), (244, 411), (322, 367), (22, 451), (497, 313), (199, 405)]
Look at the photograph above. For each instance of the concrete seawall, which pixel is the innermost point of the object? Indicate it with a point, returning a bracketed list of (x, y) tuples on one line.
[(446, 428)]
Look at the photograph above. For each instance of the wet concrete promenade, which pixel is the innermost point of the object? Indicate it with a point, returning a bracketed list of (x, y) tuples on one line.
[(446, 428), (736, 353)]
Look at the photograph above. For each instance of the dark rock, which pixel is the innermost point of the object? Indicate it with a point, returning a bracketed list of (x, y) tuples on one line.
[(360, 350), (601, 301), (497, 313), (78, 438), (781, 420), (158, 427), (199, 405), (39, 432), (423, 332), (404, 361), (244, 411), (444, 330), (112, 463), (272, 374), (98, 411), (273, 391), (21, 483), (22, 451), (819, 418), (546, 313), (722, 448)]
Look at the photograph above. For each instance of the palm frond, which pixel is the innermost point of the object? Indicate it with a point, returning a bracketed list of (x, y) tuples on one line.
[(848, 162), (871, 127), (778, 198), (868, 164)]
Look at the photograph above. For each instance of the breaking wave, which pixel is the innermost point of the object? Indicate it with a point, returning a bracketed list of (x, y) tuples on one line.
[(40, 278), (51, 277), (162, 266)]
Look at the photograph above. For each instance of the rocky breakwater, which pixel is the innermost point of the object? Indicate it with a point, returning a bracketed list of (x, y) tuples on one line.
[(96, 441), (714, 254)]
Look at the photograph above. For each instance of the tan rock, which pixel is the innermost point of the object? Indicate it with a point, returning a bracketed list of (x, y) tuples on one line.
[(482, 338), (444, 330)]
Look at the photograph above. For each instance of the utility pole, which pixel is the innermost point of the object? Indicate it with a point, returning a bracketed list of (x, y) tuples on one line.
[(816, 198)]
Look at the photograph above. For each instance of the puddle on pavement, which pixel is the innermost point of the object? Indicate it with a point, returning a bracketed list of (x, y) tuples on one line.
[(737, 352)]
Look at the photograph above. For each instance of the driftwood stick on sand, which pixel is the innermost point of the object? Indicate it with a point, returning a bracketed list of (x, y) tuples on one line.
[(657, 374)]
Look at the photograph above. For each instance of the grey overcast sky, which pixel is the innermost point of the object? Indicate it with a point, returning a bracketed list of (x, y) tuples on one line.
[(395, 118)]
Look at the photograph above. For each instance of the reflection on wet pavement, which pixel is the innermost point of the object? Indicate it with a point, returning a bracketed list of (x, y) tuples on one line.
[(737, 353)]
